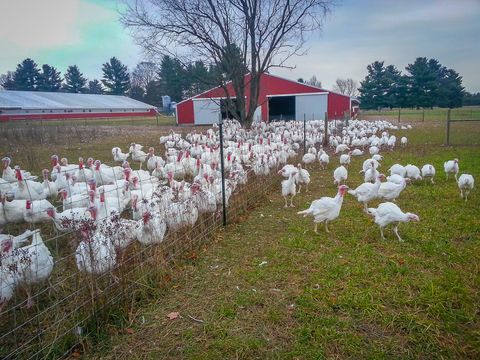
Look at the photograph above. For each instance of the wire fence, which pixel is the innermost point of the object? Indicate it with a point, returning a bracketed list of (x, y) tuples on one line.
[(111, 242), (87, 260)]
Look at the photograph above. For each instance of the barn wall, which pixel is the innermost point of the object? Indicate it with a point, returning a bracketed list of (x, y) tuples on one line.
[(270, 85), (337, 105), (185, 112)]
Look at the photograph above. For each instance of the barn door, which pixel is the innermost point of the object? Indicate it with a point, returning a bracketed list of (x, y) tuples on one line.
[(206, 111)]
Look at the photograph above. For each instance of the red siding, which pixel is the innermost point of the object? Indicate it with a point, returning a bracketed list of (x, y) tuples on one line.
[(269, 85), (337, 105), (185, 112), (75, 116)]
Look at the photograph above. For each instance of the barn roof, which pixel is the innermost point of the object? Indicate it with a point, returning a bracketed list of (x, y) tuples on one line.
[(10, 99)]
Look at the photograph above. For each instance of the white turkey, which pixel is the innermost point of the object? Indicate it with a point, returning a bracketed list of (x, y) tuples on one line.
[(391, 191), (389, 213), (28, 189), (302, 178), (373, 150), (451, 167), (403, 141), (413, 172), (137, 154), (289, 188), (341, 148), (395, 178), (367, 191), (465, 184), (345, 159), (340, 175), (118, 156), (28, 265), (308, 159), (324, 159), (325, 209), (152, 228), (428, 171), (357, 152), (398, 169), (95, 254)]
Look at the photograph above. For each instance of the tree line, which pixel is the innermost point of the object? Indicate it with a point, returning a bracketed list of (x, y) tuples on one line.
[(426, 83), (147, 82)]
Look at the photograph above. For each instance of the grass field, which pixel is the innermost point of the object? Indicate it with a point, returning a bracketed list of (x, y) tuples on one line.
[(346, 294), (161, 120), (464, 113), (269, 288)]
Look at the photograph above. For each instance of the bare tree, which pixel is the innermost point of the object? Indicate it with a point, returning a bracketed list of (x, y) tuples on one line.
[(314, 82), (143, 74), (267, 33), (6, 80), (346, 86)]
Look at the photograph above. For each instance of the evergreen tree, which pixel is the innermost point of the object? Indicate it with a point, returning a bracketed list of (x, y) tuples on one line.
[(172, 78), (95, 87), (116, 77), (373, 90), (74, 80), (450, 90), (392, 84), (423, 82), (136, 92), (153, 93), (49, 79), (26, 76)]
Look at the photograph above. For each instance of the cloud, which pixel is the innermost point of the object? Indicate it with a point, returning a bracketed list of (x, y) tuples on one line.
[(62, 33)]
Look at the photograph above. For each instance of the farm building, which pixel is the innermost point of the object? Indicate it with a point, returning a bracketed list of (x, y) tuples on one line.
[(36, 105), (279, 98)]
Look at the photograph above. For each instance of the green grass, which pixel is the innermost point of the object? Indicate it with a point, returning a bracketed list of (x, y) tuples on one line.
[(346, 294), (464, 113)]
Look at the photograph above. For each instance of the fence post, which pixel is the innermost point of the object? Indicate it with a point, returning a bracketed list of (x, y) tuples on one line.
[(222, 166), (325, 138), (156, 115), (423, 115), (448, 126), (304, 134), (399, 114)]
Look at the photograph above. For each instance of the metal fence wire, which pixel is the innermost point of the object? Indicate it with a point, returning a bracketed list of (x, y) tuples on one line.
[(69, 267)]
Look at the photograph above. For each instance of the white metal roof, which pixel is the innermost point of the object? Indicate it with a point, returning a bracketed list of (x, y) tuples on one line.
[(10, 99)]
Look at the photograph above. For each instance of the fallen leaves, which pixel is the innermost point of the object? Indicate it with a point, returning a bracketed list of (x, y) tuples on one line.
[(173, 315)]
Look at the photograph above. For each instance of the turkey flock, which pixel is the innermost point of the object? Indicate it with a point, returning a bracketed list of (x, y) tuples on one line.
[(111, 207), (375, 186)]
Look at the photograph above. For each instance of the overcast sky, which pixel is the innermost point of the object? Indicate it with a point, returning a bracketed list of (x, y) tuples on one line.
[(87, 33)]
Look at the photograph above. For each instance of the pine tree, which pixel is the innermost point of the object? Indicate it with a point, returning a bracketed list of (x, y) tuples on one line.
[(115, 77), (172, 78), (372, 90), (49, 79), (136, 92), (74, 80), (450, 90), (423, 82), (153, 94), (26, 76), (95, 87)]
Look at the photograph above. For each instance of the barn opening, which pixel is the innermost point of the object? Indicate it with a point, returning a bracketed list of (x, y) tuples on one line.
[(226, 112), (281, 108)]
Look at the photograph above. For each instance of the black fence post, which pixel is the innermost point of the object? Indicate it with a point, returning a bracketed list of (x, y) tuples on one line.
[(325, 125), (423, 115), (448, 126), (398, 114), (222, 166), (304, 134)]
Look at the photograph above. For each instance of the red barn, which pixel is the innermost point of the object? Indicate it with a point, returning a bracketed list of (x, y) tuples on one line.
[(279, 98)]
